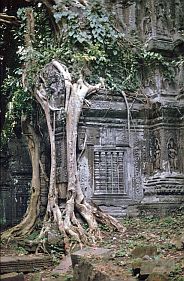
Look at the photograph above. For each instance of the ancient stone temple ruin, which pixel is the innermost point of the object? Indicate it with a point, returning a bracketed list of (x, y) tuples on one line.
[(130, 148)]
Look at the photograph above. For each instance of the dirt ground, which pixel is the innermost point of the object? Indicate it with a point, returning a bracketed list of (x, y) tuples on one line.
[(164, 233)]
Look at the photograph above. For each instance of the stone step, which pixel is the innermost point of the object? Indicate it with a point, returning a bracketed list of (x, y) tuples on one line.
[(24, 263), (114, 211)]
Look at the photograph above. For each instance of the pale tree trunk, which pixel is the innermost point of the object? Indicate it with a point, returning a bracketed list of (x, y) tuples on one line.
[(75, 96), (67, 222), (90, 213), (27, 225), (52, 204)]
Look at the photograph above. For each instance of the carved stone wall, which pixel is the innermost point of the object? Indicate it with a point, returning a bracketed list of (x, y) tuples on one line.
[(121, 167)]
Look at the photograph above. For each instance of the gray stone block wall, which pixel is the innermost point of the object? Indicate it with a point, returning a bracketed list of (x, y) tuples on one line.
[(121, 166)]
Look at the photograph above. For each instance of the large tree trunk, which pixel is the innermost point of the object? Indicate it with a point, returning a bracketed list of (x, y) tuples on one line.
[(27, 224), (75, 95), (67, 222)]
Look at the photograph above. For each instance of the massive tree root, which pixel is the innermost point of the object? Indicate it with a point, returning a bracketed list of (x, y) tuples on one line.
[(67, 222), (27, 225)]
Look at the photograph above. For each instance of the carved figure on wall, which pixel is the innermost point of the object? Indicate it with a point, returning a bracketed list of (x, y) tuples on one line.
[(146, 22), (179, 13), (157, 154), (168, 86), (156, 110), (118, 13), (162, 23), (172, 155), (150, 85)]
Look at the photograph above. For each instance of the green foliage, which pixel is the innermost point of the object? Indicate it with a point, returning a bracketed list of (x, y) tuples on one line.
[(98, 49), (20, 102), (20, 250), (176, 274), (85, 226), (34, 235), (104, 227), (68, 277), (121, 252), (88, 43)]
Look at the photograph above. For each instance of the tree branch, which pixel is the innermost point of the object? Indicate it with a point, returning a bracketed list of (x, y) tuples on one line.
[(4, 18)]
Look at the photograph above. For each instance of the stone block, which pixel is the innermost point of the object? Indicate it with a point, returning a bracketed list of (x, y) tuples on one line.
[(89, 252), (24, 263), (145, 268), (88, 270), (156, 276), (164, 266), (85, 271), (147, 250), (94, 264), (178, 242)]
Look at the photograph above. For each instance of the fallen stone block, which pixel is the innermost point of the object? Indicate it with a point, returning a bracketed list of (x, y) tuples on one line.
[(94, 264), (89, 252), (86, 270), (145, 268), (24, 263), (147, 250), (178, 242), (164, 266)]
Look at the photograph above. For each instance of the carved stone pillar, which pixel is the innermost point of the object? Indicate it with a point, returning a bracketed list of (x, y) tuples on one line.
[(165, 183)]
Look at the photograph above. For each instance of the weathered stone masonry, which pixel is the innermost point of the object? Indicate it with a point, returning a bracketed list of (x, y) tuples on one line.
[(125, 170)]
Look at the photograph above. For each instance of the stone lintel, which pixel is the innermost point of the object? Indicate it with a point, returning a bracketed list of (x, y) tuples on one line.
[(158, 43)]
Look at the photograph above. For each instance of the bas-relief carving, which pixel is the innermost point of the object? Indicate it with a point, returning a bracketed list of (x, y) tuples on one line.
[(117, 10), (160, 24), (180, 80), (162, 18), (61, 169), (124, 15), (157, 155), (137, 165), (55, 86), (146, 22), (157, 84), (166, 183), (156, 110), (152, 82), (179, 15), (85, 175), (172, 155), (164, 156), (168, 87), (114, 136)]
